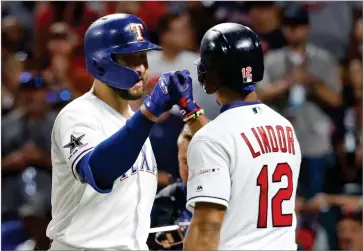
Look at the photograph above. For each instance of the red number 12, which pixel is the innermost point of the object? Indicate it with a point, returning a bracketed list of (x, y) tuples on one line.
[(278, 218)]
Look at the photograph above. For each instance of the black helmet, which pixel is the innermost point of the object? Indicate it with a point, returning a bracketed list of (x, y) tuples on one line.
[(233, 52)]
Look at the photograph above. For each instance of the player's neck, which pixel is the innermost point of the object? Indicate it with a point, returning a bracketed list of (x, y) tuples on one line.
[(226, 96), (104, 93)]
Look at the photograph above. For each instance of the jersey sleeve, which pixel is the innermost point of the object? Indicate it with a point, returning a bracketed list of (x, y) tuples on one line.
[(75, 135), (208, 174)]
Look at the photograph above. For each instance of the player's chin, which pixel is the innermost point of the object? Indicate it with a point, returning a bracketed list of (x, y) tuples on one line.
[(135, 93), (138, 91), (130, 94)]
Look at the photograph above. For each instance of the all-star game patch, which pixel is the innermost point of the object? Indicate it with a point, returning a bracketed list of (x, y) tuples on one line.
[(74, 143)]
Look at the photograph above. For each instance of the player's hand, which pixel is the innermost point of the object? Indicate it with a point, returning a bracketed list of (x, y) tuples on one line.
[(160, 100), (181, 90)]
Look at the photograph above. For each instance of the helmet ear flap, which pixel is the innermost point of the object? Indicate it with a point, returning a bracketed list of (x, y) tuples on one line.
[(100, 69), (202, 71)]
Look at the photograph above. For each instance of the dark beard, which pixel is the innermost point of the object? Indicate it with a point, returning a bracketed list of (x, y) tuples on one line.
[(125, 94)]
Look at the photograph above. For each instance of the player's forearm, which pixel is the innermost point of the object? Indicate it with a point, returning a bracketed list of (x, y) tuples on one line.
[(195, 125), (115, 156), (202, 237)]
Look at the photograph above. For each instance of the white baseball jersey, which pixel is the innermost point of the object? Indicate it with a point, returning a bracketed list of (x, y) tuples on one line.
[(82, 217), (247, 159)]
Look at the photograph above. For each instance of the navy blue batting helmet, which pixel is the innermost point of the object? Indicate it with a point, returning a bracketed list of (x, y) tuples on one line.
[(115, 34), (233, 52)]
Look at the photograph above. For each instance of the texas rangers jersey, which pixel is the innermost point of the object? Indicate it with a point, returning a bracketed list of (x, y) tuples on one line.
[(82, 217), (247, 159)]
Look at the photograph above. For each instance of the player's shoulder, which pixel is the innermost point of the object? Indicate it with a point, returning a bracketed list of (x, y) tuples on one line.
[(210, 132), (79, 109)]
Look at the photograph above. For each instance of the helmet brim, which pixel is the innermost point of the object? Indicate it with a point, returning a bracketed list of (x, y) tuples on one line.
[(136, 47)]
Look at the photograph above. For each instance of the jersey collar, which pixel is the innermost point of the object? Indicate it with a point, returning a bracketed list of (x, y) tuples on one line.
[(235, 104)]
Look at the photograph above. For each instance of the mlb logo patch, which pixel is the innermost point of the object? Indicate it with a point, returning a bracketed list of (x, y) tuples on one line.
[(257, 110)]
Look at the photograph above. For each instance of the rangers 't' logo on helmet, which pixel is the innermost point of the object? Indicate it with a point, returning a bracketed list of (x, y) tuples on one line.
[(137, 28)]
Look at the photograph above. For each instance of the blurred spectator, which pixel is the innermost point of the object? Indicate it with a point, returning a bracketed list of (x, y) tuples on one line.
[(22, 11), (348, 119), (149, 12), (331, 23), (310, 235), (12, 68), (59, 48), (169, 207), (77, 17), (264, 18), (201, 18), (350, 231), (13, 36), (300, 79), (177, 37), (229, 11), (342, 192), (26, 164), (356, 45)]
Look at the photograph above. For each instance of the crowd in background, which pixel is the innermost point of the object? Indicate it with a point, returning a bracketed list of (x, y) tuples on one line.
[(313, 76)]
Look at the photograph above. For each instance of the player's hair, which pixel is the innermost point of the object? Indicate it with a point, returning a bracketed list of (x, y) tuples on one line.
[(185, 135)]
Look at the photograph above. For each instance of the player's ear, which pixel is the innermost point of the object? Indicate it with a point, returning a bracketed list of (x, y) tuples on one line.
[(211, 83)]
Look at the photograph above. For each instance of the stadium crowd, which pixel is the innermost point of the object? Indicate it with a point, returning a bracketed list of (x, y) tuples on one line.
[(313, 76)]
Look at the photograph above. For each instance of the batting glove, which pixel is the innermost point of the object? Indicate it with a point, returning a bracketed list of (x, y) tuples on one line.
[(160, 101), (182, 91)]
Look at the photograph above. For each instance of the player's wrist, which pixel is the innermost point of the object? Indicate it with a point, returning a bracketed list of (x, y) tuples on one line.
[(191, 112), (147, 113)]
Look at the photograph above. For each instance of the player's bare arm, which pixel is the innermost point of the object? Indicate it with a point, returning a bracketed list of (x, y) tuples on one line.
[(205, 227), (198, 123)]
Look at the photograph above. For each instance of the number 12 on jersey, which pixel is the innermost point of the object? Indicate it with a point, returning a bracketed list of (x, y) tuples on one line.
[(278, 218)]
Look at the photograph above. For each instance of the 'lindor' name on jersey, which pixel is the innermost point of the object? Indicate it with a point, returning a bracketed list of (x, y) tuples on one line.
[(270, 139)]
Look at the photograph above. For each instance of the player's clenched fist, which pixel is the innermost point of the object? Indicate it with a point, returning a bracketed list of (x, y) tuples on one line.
[(181, 91), (160, 101)]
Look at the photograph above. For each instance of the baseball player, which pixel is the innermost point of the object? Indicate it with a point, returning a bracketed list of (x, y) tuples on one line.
[(243, 165), (104, 171)]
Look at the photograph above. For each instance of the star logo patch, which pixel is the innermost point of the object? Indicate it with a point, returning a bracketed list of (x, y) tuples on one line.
[(75, 142)]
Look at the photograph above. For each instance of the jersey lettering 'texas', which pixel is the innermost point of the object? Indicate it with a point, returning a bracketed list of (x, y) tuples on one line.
[(248, 159)]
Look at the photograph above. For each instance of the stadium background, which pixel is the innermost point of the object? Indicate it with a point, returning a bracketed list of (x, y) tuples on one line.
[(43, 69)]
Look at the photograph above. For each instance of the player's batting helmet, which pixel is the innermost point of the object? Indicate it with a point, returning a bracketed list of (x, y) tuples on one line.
[(115, 34), (233, 52)]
